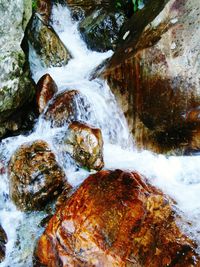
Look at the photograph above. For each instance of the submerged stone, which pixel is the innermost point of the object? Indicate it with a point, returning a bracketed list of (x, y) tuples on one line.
[(115, 218), (35, 176), (67, 106)]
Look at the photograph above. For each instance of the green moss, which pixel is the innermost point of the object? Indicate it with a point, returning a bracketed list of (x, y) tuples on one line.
[(34, 5)]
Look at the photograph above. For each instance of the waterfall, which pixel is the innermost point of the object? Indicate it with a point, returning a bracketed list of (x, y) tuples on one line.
[(177, 176)]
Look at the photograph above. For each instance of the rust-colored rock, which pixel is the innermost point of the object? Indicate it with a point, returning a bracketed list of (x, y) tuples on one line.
[(46, 88), (35, 176), (154, 73), (115, 219), (44, 8), (68, 106), (3, 241), (85, 144)]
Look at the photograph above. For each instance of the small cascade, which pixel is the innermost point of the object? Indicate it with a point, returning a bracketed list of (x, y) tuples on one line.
[(176, 176)]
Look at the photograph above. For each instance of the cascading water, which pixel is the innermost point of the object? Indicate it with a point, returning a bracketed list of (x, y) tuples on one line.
[(176, 176)]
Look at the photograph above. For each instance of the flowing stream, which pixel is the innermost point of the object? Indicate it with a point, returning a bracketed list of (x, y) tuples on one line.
[(177, 176)]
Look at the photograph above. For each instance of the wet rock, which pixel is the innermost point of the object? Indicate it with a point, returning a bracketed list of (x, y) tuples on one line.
[(115, 218), (35, 176), (154, 73), (46, 88), (16, 86), (3, 241), (100, 30), (87, 6), (85, 145), (68, 106), (47, 44), (44, 8)]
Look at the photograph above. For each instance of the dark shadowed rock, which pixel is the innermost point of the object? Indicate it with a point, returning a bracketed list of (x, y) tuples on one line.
[(3, 241), (47, 43), (35, 176), (85, 145), (154, 73), (67, 106), (46, 88), (101, 28), (115, 218)]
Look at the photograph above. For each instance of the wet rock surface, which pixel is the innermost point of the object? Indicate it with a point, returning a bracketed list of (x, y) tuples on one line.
[(85, 144), (45, 90), (47, 44), (35, 176), (3, 241), (16, 86), (115, 219), (67, 106), (101, 28), (44, 8), (154, 76)]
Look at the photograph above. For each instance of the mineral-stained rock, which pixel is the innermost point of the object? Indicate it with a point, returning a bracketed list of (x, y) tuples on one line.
[(68, 106), (35, 176), (115, 218), (46, 88), (101, 29), (16, 86), (85, 144), (47, 43), (155, 73), (3, 241), (44, 8)]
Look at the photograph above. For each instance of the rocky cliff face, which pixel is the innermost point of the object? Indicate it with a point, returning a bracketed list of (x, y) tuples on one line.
[(155, 74), (16, 88)]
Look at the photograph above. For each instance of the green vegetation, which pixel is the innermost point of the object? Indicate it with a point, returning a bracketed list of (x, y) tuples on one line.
[(34, 4), (135, 4)]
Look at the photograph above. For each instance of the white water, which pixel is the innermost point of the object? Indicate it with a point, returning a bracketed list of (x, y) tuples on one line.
[(177, 176)]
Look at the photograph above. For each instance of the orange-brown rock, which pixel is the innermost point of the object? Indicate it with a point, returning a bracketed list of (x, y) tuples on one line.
[(35, 176), (46, 88), (154, 73), (85, 144), (115, 219), (66, 108), (3, 241), (44, 9)]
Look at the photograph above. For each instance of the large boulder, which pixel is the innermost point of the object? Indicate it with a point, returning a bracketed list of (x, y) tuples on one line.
[(3, 241), (155, 73), (46, 42), (67, 106), (16, 87), (35, 176), (85, 144), (116, 219), (100, 30), (45, 90)]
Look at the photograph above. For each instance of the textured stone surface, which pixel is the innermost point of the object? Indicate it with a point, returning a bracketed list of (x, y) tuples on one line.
[(3, 241), (101, 28), (115, 219), (16, 88), (85, 145), (67, 106), (35, 176), (46, 88), (155, 73), (47, 44)]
